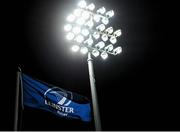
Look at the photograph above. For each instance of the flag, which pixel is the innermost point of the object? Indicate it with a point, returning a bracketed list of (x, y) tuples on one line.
[(63, 103)]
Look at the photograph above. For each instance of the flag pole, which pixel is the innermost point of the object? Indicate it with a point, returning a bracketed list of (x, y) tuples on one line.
[(17, 99)]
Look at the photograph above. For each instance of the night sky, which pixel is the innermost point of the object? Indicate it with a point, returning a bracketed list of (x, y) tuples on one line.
[(136, 90)]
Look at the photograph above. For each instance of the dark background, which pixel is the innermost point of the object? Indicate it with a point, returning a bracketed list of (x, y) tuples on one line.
[(137, 90)]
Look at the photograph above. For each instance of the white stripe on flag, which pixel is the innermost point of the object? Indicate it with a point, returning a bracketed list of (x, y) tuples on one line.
[(68, 103), (61, 102)]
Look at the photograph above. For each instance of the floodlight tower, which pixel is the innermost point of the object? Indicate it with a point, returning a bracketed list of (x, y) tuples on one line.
[(90, 34)]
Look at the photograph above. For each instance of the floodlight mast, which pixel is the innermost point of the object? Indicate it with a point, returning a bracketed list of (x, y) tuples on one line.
[(97, 120), (85, 28)]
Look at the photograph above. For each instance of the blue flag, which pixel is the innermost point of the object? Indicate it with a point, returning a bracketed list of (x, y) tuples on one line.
[(56, 100)]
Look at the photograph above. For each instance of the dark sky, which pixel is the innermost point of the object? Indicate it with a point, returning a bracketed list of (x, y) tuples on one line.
[(136, 90)]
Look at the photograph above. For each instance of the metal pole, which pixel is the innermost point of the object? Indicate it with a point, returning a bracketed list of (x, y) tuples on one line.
[(17, 100), (97, 120)]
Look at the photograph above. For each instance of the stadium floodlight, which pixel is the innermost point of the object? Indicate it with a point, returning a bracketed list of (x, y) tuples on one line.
[(82, 4), (70, 36), (75, 48), (71, 18), (90, 24), (104, 55), (110, 14), (105, 20), (117, 50), (85, 15), (87, 30), (109, 48), (97, 18), (91, 7), (113, 40), (104, 37), (68, 27), (84, 50), (80, 21), (79, 39), (100, 45), (77, 12), (95, 52), (101, 27), (109, 30), (101, 10), (96, 35), (76, 30), (117, 33)]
